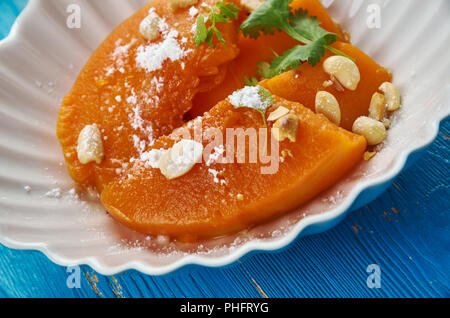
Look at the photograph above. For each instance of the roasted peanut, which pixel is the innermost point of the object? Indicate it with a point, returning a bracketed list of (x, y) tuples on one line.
[(392, 95), (286, 127), (90, 145), (344, 70), (371, 129), (327, 105)]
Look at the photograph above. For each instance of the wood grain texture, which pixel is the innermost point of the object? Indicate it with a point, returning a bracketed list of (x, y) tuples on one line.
[(406, 232)]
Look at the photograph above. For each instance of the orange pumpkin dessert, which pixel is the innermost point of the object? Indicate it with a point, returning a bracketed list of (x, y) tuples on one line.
[(214, 198), (196, 119), (136, 90)]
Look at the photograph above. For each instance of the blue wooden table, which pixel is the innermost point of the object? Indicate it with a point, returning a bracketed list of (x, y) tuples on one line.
[(406, 232)]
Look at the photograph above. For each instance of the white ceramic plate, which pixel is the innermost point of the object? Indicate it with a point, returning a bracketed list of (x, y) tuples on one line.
[(40, 60)]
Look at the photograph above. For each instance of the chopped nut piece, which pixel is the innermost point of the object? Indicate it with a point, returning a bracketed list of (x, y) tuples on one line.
[(285, 153), (149, 27), (180, 159), (377, 109), (392, 95), (344, 70), (387, 123), (369, 155), (286, 127), (371, 129), (278, 113), (90, 145), (327, 105), (181, 4), (327, 83), (252, 5)]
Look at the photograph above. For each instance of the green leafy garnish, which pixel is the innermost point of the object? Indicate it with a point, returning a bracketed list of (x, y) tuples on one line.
[(264, 70), (221, 13), (250, 81), (276, 15)]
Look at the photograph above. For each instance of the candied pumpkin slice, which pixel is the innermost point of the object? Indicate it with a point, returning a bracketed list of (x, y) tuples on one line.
[(303, 84), (216, 198), (135, 90), (257, 50)]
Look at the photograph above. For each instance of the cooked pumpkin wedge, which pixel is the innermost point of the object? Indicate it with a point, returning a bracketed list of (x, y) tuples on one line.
[(215, 198), (135, 90)]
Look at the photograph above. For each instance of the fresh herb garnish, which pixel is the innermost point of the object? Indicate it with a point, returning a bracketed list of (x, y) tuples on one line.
[(250, 81), (264, 70), (276, 15), (222, 12)]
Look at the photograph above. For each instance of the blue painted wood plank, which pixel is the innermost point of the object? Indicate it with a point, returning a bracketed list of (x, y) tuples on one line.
[(405, 232)]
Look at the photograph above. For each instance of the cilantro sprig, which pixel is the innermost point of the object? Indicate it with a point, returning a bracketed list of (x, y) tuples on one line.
[(276, 15), (250, 81), (221, 13)]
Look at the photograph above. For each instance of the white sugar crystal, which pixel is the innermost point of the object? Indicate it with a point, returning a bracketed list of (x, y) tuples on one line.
[(193, 11), (151, 57), (152, 157), (215, 155), (214, 173), (249, 96), (55, 193)]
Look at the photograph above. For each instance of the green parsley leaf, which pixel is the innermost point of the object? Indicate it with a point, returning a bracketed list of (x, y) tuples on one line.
[(228, 10), (264, 70), (270, 16), (202, 33), (293, 58), (221, 13), (250, 82), (276, 15), (290, 59), (309, 27)]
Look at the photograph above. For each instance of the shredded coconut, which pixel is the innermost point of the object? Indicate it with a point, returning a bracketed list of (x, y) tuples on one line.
[(214, 156), (55, 193), (215, 175), (152, 157), (151, 57), (119, 57), (193, 11), (249, 96), (139, 144), (157, 83)]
